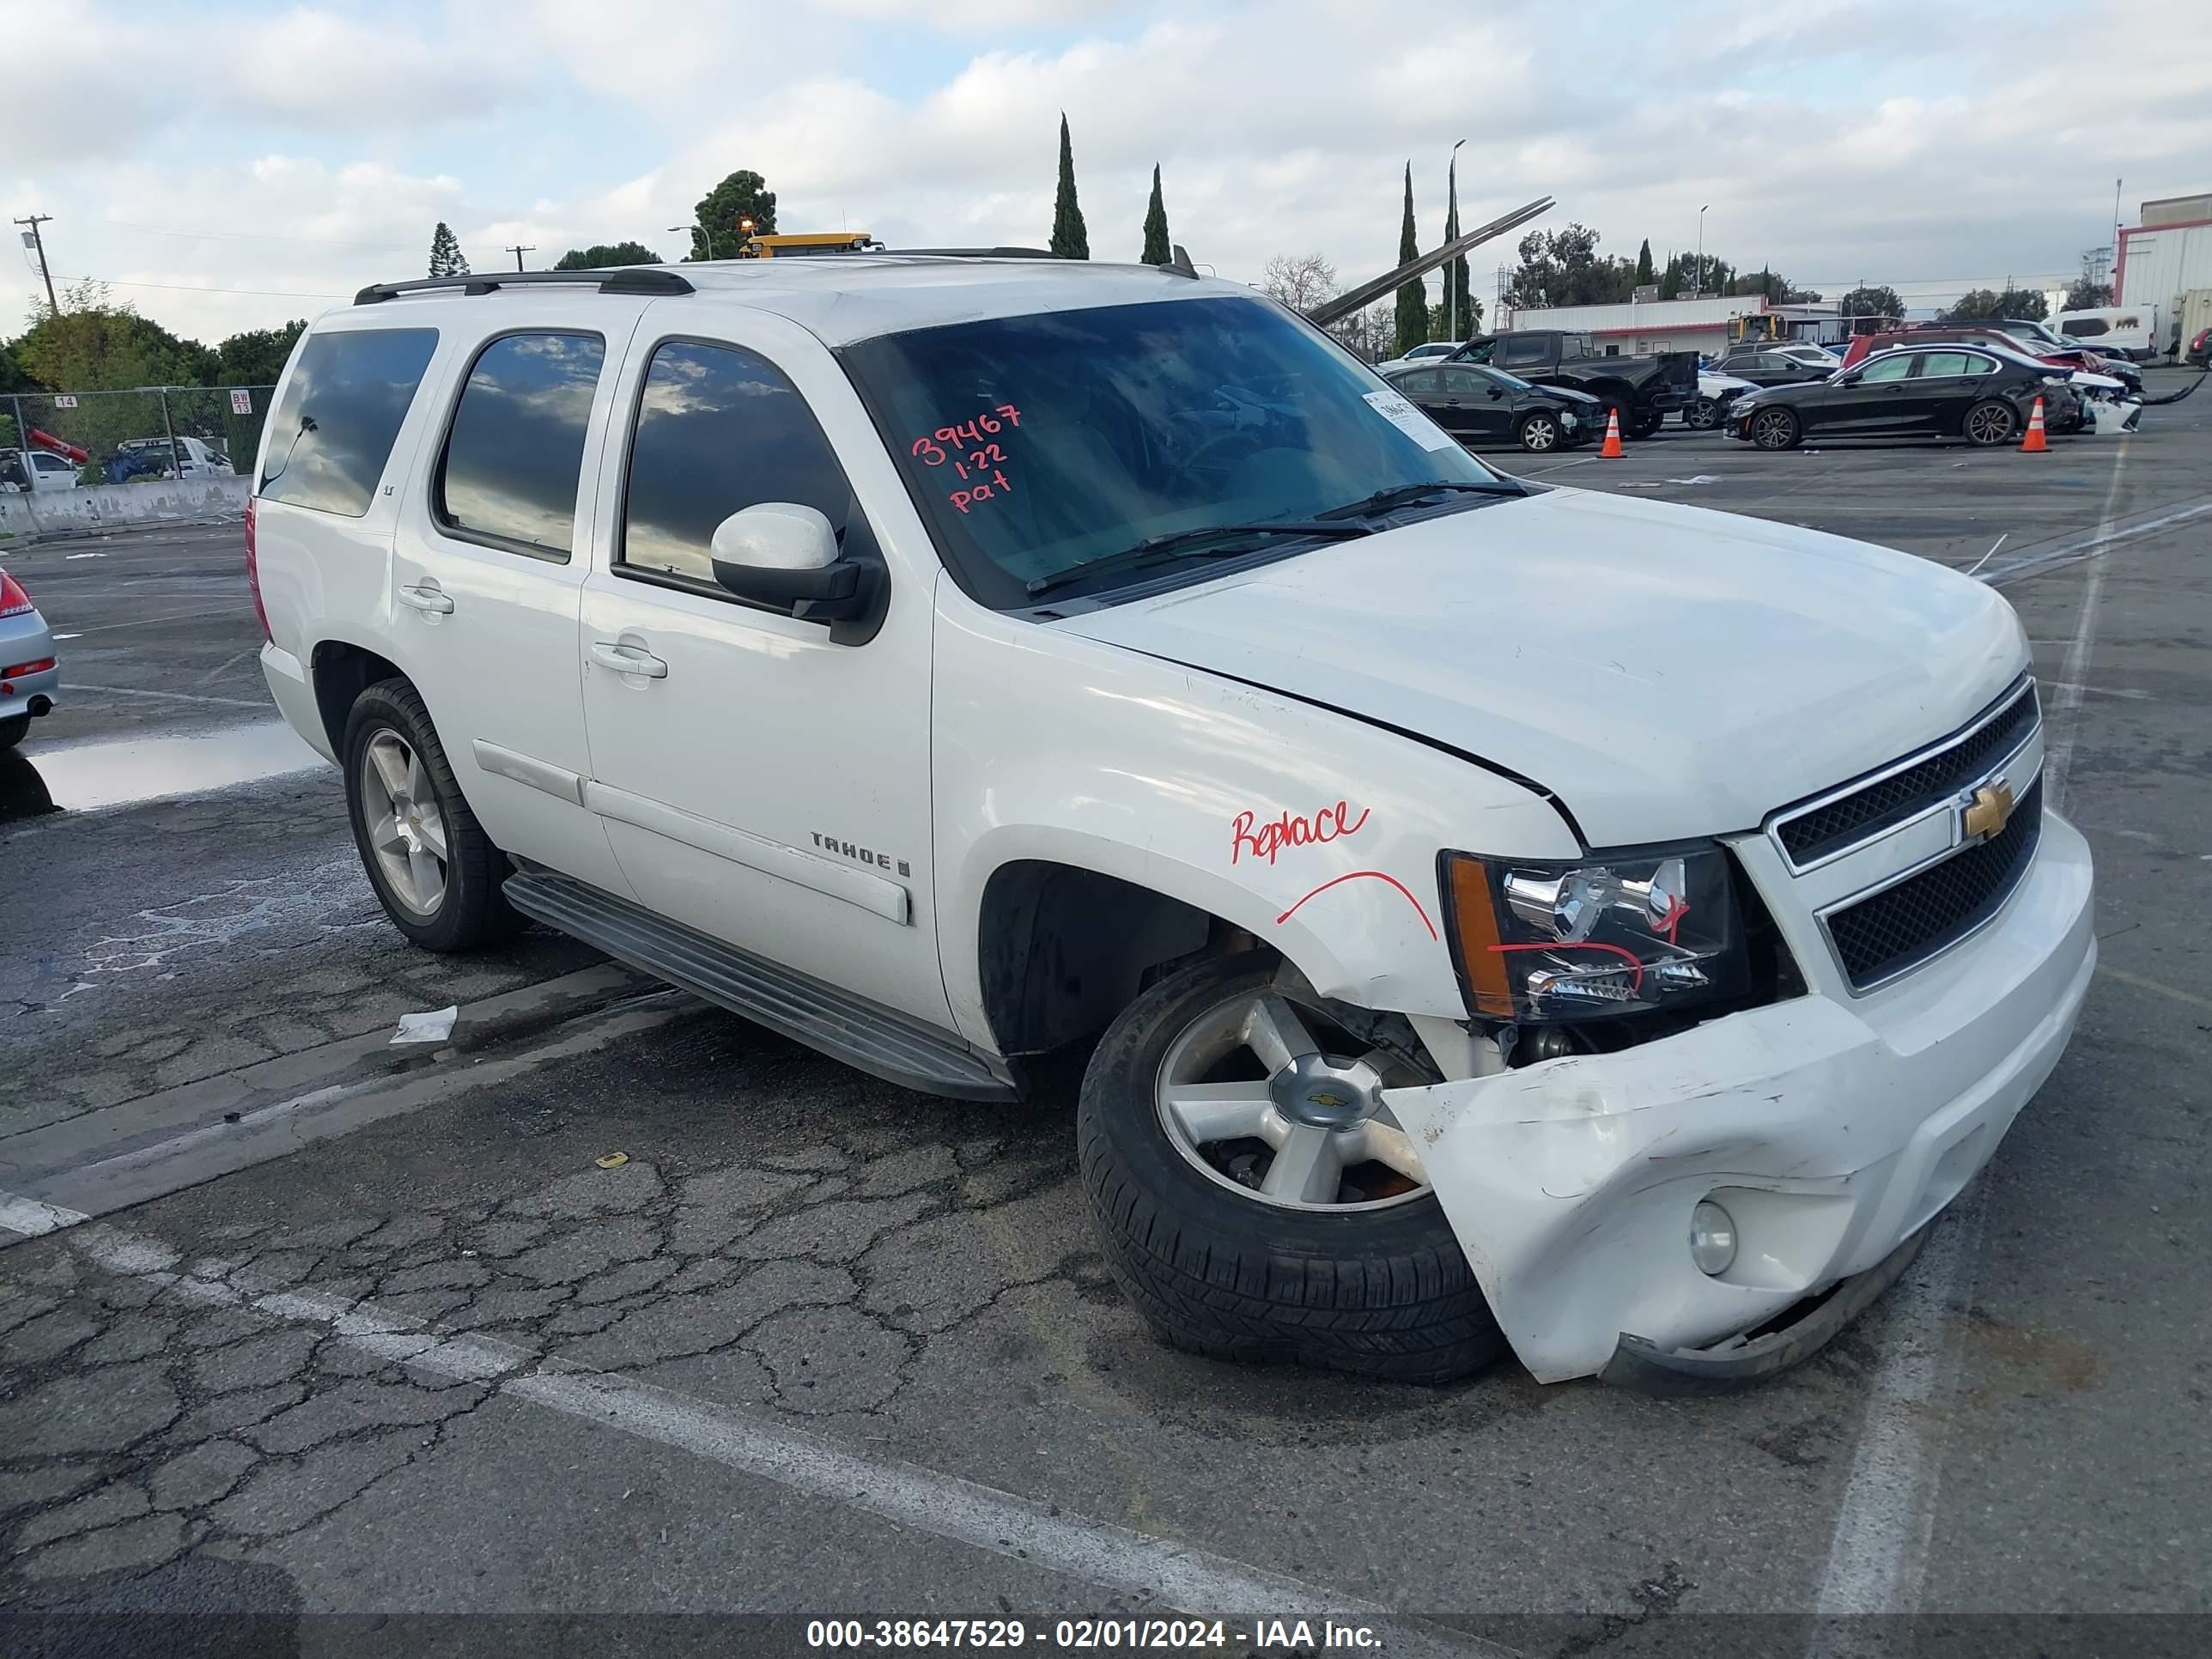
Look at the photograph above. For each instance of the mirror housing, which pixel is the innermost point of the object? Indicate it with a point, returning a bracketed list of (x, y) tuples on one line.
[(785, 555)]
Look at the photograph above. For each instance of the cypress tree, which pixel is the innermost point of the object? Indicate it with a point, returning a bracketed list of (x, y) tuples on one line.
[(1157, 251), (1643, 276), (1413, 297), (1069, 239), (445, 259)]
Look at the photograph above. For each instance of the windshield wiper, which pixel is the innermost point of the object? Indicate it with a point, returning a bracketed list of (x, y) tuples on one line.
[(1188, 544), (1383, 500)]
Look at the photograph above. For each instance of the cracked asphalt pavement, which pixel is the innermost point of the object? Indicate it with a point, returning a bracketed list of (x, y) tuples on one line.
[(614, 1305)]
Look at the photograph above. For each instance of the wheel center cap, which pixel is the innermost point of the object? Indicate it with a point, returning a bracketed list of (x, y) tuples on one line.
[(1327, 1092)]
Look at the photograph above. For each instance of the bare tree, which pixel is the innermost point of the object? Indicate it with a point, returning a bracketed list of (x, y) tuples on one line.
[(1300, 280), (1372, 334)]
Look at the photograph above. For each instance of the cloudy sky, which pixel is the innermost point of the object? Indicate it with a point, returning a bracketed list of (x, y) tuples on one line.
[(228, 164)]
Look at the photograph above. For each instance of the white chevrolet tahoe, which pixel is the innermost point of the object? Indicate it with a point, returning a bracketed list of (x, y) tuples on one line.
[(1503, 917)]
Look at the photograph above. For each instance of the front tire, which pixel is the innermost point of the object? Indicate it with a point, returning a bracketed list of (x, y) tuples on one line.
[(435, 872), (1254, 1198), (1774, 428), (1702, 415), (1538, 432)]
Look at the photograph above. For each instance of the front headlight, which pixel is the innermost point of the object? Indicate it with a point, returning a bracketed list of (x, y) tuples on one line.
[(1535, 940)]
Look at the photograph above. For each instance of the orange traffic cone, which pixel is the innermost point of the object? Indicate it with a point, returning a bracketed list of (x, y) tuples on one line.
[(1610, 450), (2033, 443)]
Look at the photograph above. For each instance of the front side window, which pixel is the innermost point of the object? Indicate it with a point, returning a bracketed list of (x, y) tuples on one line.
[(1036, 444), (1521, 351), (1464, 383), (516, 447), (348, 397), (1891, 366), (718, 429)]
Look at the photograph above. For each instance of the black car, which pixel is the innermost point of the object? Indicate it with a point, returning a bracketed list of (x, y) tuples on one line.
[(1479, 405), (1982, 395), (1771, 369)]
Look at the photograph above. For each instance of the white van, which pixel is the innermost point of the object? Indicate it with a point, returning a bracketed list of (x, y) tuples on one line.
[(2116, 330)]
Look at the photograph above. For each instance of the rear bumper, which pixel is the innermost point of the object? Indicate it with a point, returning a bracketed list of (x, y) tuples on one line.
[(294, 697), (27, 640), (1832, 1129)]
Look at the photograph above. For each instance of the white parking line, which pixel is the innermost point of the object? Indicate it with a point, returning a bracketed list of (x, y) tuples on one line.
[(1878, 1551), (171, 697), (1173, 1575)]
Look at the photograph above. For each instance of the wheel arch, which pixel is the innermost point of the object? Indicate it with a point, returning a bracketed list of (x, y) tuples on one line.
[(340, 671)]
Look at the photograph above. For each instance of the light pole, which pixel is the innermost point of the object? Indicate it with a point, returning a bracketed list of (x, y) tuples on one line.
[(1452, 268), (1701, 249), (705, 235)]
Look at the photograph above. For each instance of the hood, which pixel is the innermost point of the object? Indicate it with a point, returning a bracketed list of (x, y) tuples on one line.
[(1667, 672), (1712, 385)]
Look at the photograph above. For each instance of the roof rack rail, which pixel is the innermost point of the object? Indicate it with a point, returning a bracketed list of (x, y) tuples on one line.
[(978, 253), (627, 279)]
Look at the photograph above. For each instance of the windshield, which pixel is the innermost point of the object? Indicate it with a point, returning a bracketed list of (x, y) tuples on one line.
[(1036, 444)]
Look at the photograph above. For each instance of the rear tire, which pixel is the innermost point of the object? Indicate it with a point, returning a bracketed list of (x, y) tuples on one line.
[(435, 872), (1364, 1277), (1646, 426), (14, 730), (1991, 422)]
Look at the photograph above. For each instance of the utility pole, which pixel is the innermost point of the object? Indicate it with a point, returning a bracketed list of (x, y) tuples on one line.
[(54, 304), (517, 252)]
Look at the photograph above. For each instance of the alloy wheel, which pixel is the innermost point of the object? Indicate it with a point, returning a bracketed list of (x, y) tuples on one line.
[(1252, 1099), (406, 830)]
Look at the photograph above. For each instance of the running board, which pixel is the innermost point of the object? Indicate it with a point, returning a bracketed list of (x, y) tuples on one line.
[(878, 1041)]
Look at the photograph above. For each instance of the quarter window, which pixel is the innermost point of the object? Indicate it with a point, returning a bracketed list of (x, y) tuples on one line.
[(718, 429), (516, 449), (343, 406)]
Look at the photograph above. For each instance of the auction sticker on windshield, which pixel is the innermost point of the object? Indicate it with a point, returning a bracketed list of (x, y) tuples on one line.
[(1410, 420)]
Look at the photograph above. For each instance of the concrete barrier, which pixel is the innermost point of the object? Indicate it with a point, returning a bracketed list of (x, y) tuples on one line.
[(91, 511)]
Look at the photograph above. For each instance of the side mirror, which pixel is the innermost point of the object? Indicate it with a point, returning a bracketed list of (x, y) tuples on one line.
[(786, 556)]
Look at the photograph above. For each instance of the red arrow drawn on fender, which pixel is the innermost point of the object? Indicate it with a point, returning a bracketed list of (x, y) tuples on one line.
[(1356, 875)]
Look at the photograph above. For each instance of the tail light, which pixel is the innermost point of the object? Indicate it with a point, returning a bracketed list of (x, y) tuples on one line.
[(13, 601), (253, 569)]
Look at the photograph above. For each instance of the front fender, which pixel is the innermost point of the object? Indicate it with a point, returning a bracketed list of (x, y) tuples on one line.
[(1310, 829)]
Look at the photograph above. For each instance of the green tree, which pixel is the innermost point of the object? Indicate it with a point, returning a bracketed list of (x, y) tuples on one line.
[(1644, 275), (96, 344), (257, 356), (1562, 268), (1870, 302), (2086, 295), (1069, 239), (1461, 315), (446, 258), (602, 255), (1413, 297), (744, 194), (1157, 251)]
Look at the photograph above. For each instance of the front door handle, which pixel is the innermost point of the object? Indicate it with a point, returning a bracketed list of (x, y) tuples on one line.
[(427, 596), (628, 659)]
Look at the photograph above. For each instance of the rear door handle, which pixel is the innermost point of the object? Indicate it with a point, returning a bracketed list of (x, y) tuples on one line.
[(426, 596), (628, 659)]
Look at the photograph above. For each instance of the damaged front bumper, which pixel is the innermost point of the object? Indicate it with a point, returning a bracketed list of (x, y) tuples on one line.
[(1832, 1130)]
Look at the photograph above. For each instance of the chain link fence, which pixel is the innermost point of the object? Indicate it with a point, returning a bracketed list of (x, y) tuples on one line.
[(151, 433)]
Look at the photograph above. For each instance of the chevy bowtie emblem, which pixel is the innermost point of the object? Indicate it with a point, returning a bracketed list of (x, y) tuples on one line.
[(1988, 811)]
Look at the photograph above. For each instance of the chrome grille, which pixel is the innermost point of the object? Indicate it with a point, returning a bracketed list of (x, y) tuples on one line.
[(1855, 812), (1892, 931)]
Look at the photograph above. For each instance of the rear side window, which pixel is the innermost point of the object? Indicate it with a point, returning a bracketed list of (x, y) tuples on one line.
[(1938, 363), (1421, 382), (350, 392), (516, 448), (718, 429)]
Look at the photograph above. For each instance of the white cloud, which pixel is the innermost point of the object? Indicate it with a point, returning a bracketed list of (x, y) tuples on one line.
[(1837, 139)]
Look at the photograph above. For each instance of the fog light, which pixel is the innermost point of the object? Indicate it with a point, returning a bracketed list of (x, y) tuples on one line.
[(1712, 1238)]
